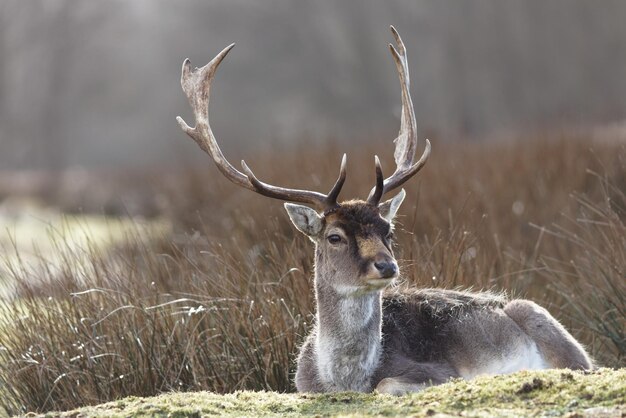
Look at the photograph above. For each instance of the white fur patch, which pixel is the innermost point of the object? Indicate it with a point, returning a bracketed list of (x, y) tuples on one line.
[(324, 353), (351, 308), (339, 371), (523, 357), (348, 357), (393, 386), (346, 290)]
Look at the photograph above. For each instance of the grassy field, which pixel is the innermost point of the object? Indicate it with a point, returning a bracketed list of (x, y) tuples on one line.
[(38, 233), (546, 393), (220, 298)]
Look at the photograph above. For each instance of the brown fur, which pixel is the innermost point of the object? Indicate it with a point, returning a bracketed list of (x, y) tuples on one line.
[(556, 344), (408, 339)]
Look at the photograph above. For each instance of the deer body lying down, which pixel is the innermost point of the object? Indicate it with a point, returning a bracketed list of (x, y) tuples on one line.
[(365, 337), (400, 341)]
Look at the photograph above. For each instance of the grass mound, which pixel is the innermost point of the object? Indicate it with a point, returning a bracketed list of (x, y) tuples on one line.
[(543, 393)]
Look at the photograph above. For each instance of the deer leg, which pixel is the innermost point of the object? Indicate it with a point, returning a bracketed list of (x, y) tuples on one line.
[(307, 379), (557, 346), (406, 376)]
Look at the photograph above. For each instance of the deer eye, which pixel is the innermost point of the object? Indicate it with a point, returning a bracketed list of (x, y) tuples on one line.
[(334, 239), (389, 236)]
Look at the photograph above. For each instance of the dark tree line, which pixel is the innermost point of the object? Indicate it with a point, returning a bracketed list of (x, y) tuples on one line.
[(84, 83)]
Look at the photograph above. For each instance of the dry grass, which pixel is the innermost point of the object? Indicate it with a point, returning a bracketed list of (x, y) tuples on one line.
[(222, 303)]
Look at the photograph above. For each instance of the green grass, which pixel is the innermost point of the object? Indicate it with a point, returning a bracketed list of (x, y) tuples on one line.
[(542, 393)]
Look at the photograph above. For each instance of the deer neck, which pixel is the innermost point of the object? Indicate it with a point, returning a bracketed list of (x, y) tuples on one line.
[(348, 335)]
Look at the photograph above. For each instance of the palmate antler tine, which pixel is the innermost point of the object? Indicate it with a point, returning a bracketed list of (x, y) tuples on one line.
[(197, 86), (406, 142)]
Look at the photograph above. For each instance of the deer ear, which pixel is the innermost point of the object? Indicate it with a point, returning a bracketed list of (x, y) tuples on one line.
[(307, 220), (389, 208)]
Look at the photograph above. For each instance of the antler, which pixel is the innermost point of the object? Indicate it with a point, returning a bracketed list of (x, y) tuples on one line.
[(197, 86), (406, 142)]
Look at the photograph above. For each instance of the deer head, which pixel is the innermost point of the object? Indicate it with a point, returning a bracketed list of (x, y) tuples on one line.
[(353, 238)]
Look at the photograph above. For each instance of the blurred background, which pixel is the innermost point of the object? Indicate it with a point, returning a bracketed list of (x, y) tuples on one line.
[(96, 84)]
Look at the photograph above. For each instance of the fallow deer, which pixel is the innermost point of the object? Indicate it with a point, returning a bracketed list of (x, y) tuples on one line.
[(400, 341)]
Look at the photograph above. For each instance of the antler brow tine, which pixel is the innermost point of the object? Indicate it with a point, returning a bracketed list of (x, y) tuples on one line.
[(196, 84)]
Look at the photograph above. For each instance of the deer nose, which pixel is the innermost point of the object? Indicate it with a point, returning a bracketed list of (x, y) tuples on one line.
[(386, 269)]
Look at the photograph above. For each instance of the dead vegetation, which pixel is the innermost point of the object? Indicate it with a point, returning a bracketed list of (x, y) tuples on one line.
[(221, 303)]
